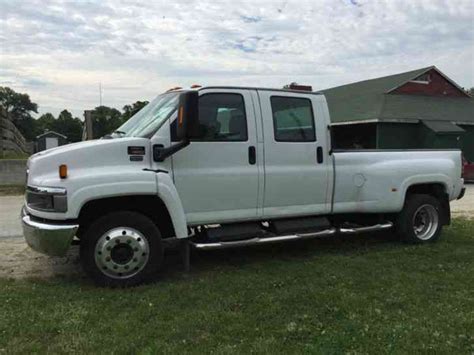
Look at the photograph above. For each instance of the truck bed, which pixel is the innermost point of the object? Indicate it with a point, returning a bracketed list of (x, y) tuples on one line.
[(367, 181)]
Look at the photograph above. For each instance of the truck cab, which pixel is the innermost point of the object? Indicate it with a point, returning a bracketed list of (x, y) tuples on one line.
[(219, 167)]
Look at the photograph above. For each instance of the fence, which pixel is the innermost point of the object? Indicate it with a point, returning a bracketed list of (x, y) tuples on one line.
[(11, 140)]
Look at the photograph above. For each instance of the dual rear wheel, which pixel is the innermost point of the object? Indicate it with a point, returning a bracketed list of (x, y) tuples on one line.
[(420, 220)]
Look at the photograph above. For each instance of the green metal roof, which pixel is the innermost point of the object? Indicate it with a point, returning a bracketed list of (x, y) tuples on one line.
[(369, 100), (443, 127), (457, 109)]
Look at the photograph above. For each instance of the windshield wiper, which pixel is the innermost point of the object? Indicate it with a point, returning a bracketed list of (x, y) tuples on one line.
[(120, 132)]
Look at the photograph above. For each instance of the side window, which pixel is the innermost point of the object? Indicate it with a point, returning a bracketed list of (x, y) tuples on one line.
[(293, 119), (221, 118)]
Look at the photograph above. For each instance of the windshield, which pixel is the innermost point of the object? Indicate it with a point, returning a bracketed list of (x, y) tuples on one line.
[(147, 121)]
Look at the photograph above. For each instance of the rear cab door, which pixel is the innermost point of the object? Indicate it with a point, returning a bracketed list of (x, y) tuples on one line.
[(298, 168)]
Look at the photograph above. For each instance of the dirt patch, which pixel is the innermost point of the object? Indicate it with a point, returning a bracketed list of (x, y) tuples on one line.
[(18, 261)]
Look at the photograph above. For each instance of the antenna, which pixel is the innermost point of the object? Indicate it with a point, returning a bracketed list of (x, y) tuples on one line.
[(100, 94)]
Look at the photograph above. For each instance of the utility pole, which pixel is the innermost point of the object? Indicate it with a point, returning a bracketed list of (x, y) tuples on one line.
[(1, 129), (100, 94), (88, 133)]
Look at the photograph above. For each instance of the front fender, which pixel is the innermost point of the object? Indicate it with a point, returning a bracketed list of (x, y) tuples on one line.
[(170, 197), (90, 184)]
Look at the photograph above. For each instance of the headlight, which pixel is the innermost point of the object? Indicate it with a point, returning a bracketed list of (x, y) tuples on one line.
[(51, 199)]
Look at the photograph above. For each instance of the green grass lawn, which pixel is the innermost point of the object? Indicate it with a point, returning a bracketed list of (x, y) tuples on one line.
[(363, 294), (14, 155), (11, 190)]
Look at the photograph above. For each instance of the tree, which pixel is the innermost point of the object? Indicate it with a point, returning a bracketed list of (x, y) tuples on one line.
[(16, 104), (65, 124), (130, 110), (45, 123), (105, 120), (68, 126), (19, 108)]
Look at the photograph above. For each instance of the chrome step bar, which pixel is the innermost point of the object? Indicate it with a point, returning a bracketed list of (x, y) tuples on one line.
[(257, 240), (376, 227), (284, 238)]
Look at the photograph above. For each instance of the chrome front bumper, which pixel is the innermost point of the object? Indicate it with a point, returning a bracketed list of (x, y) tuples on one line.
[(48, 238)]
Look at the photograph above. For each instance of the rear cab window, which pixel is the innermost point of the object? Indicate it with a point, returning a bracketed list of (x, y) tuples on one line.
[(293, 119)]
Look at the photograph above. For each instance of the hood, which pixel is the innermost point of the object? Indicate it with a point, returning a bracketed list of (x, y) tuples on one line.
[(71, 147), (79, 157)]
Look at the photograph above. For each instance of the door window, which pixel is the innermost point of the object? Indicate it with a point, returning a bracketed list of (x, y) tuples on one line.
[(221, 118), (293, 119)]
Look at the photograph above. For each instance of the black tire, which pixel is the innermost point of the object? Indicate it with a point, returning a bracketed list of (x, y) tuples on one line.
[(418, 209), (132, 254)]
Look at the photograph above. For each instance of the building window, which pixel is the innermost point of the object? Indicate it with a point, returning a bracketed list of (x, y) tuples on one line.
[(293, 119)]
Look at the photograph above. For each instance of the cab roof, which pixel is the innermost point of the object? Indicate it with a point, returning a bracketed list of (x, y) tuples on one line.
[(251, 88)]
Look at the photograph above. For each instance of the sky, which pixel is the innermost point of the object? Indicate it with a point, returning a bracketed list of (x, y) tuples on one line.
[(59, 52)]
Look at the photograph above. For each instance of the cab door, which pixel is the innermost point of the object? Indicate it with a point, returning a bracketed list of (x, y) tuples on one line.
[(216, 175), (297, 165)]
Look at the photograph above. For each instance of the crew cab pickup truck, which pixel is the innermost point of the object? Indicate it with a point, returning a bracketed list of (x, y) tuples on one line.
[(220, 167)]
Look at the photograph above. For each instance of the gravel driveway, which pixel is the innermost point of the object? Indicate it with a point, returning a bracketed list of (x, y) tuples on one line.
[(10, 208), (17, 260)]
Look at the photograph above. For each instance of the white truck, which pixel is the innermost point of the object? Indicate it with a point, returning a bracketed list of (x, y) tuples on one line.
[(218, 167)]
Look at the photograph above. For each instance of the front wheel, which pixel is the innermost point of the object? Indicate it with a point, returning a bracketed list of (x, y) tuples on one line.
[(121, 249), (420, 220)]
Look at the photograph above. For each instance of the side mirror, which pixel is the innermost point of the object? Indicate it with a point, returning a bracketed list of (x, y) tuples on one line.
[(186, 126), (188, 115)]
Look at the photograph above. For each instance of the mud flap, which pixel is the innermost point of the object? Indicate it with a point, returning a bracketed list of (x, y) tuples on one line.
[(446, 210)]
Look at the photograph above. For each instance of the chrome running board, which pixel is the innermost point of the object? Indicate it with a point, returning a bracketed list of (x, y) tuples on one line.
[(376, 227), (284, 238), (257, 240)]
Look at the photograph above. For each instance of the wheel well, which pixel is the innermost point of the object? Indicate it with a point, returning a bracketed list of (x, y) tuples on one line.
[(151, 206), (436, 190)]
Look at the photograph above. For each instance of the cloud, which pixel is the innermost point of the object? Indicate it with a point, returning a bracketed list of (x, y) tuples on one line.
[(58, 51), (33, 82), (251, 19)]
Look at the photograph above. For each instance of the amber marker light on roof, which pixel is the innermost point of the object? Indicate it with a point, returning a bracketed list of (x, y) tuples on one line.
[(63, 171), (195, 86), (174, 88)]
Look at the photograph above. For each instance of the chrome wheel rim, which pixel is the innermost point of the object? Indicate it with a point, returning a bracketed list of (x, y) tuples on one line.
[(121, 252), (425, 222)]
